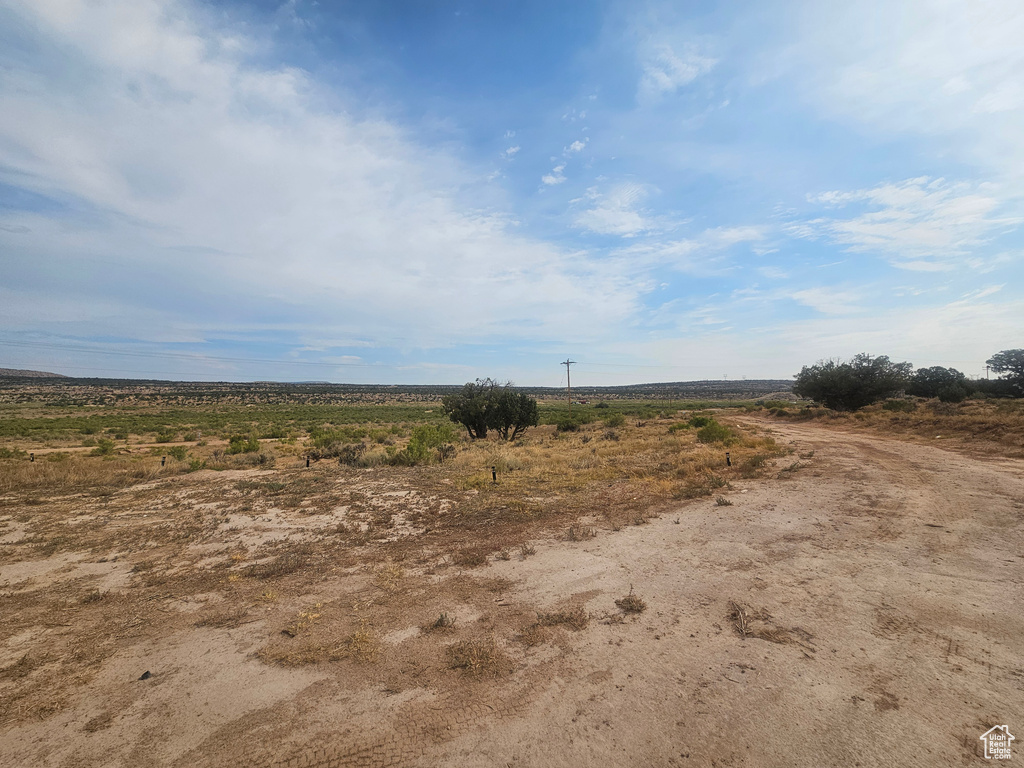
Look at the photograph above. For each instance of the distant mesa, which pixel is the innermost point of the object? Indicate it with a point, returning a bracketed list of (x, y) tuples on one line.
[(17, 373)]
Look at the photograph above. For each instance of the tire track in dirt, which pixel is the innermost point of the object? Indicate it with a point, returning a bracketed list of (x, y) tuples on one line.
[(422, 727)]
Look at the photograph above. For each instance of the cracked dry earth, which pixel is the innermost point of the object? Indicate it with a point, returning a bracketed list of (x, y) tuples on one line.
[(860, 607)]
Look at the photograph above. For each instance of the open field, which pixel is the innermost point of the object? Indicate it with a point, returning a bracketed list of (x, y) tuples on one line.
[(621, 595)]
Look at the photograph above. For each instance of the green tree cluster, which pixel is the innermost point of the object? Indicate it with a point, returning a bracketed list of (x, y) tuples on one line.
[(947, 384), (485, 404), (1010, 365), (848, 386)]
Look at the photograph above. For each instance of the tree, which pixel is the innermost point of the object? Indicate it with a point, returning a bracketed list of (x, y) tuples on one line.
[(849, 386), (513, 413), (1009, 363), (473, 407), (929, 382), (486, 404)]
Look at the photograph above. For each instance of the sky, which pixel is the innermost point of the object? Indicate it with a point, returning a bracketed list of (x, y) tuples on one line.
[(431, 192)]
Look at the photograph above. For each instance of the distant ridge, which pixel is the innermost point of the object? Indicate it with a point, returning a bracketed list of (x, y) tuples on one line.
[(17, 373)]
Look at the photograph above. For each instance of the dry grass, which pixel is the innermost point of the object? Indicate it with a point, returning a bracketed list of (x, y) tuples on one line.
[(228, 616), (631, 603), (282, 565), (362, 646), (306, 618), (443, 622), (578, 532), (758, 623), (574, 618), (988, 425), (263, 538), (389, 577), (479, 658), (533, 635), (78, 472)]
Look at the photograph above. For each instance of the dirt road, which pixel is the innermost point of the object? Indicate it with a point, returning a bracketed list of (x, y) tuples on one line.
[(879, 584), (903, 565)]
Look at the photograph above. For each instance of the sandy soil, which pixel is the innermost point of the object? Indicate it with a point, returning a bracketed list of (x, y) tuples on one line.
[(860, 608)]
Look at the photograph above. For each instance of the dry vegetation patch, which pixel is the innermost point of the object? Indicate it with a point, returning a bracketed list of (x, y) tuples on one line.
[(325, 561)]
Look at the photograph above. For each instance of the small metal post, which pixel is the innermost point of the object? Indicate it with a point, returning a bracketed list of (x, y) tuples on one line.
[(307, 462), (31, 457), (494, 475), (163, 461), (728, 461)]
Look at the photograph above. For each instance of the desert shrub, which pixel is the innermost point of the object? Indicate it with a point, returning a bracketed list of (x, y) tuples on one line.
[(602, 404), (953, 393), (242, 444), (11, 453), (567, 424), (713, 432), (179, 452), (350, 454), (905, 406), (104, 447), (425, 439), (614, 420), (700, 421), (166, 436), (851, 386)]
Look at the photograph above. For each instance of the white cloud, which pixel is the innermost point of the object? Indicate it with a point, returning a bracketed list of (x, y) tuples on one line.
[(665, 71), (616, 212), (576, 146), (511, 151), (923, 67), (828, 301), (204, 194), (555, 177), (704, 254), (920, 224)]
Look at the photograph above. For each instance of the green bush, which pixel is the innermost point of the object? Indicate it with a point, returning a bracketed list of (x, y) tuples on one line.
[(700, 421), (615, 420), (713, 432), (953, 393), (850, 386), (928, 382), (679, 426), (179, 452), (242, 444), (425, 438), (11, 453), (567, 424), (485, 404), (104, 447)]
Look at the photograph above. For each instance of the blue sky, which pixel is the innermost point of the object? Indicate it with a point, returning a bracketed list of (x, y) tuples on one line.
[(430, 192)]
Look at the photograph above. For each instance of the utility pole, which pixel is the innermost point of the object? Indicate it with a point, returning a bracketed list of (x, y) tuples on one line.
[(568, 382)]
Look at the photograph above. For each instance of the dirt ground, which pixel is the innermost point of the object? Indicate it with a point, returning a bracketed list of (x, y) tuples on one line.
[(860, 606)]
